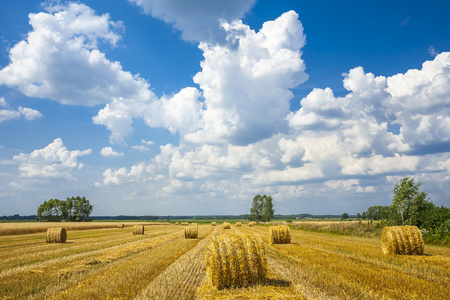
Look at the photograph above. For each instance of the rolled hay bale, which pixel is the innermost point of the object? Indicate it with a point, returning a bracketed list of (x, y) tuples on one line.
[(213, 224), (138, 229), (191, 232), (120, 225), (280, 234), (226, 225), (176, 223), (402, 240), (235, 260), (56, 235), (238, 224), (184, 223), (250, 224)]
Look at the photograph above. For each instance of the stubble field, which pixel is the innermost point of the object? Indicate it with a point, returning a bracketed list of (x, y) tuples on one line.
[(112, 263)]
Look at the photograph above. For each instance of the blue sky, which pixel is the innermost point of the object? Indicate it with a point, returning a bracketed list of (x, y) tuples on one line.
[(152, 107)]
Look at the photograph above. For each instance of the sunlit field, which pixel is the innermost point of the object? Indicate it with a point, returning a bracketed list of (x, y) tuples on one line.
[(112, 263)]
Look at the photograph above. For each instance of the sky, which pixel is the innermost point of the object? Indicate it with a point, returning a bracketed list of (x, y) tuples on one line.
[(177, 107)]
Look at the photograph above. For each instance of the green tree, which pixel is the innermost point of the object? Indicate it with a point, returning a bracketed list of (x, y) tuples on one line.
[(358, 216), (262, 209), (409, 203), (51, 211), (364, 216), (378, 212), (256, 209), (345, 216), (78, 209), (74, 209), (268, 212)]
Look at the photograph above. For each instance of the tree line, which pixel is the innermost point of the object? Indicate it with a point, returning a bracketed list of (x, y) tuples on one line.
[(74, 209), (411, 206)]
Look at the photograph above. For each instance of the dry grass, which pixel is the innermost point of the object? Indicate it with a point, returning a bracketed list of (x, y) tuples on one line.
[(402, 240), (35, 227), (280, 234), (120, 225), (191, 232), (321, 265), (56, 235), (111, 263), (138, 229), (235, 260), (182, 278)]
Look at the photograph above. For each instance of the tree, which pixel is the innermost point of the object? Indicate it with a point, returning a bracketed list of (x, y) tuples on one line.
[(262, 209), (378, 212), (345, 216), (364, 215), (409, 203), (358, 216), (74, 209), (78, 209), (51, 211), (268, 212)]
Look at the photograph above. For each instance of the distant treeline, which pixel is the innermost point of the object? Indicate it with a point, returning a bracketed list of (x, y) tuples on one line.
[(17, 217)]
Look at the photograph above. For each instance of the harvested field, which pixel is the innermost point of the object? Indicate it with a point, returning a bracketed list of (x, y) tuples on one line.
[(113, 263)]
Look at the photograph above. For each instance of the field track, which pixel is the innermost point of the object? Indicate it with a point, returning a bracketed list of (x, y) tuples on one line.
[(111, 263)]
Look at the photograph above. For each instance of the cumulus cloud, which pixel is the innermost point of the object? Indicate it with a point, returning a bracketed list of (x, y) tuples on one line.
[(66, 37), (29, 113), (109, 152), (197, 20), (246, 87), (335, 145), (419, 101), (10, 114), (53, 161)]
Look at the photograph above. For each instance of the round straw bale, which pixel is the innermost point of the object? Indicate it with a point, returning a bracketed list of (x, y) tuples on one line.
[(226, 225), (402, 240), (280, 234), (250, 224), (138, 229), (236, 260), (56, 235), (213, 224), (238, 224), (191, 232)]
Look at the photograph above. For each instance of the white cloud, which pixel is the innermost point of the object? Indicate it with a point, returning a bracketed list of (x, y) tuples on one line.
[(109, 152), (67, 38), (432, 51), (420, 102), (246, 87), (6, 115), (10, 114), (29, 113), (197, 20), (53, 161), (140, 148)]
